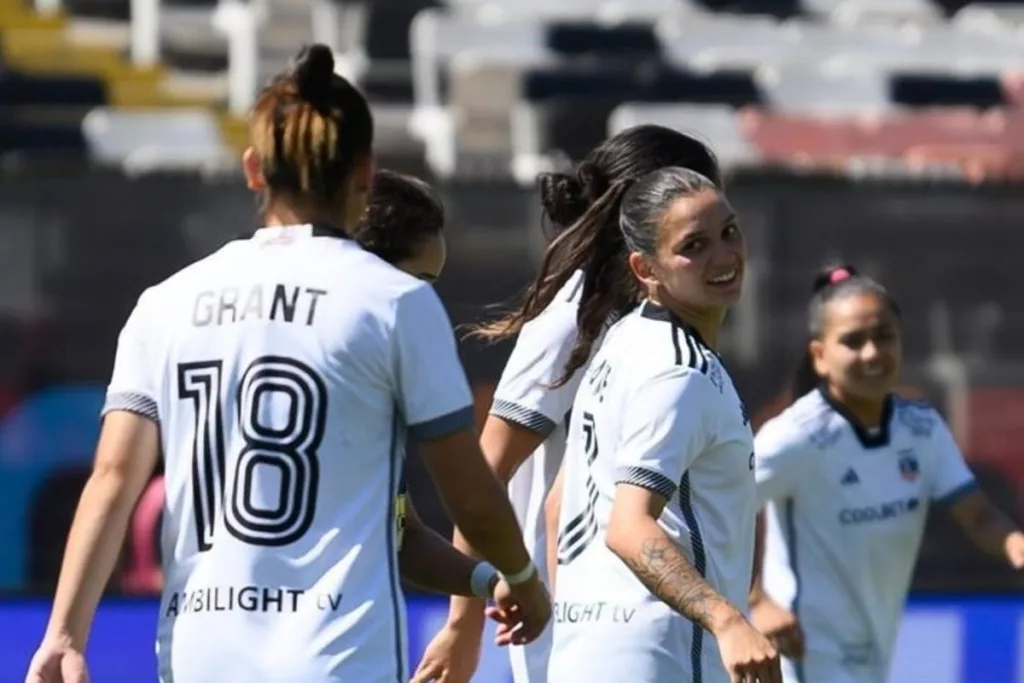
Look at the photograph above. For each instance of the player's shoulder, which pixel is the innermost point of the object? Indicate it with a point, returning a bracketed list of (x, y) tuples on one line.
[(570, 293), (644, 367), (189, 276), (656, 344), (807, 422), (558, 319), (920, 418)]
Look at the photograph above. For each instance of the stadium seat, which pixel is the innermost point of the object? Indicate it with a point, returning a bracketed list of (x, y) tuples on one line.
[(936, 90), (859, 12), (628, 41), (725, 42), (716, 124), (565, 91), (188, 137), (611, 11), (776, 8), (913, 82), (437, 36), (814, 89)]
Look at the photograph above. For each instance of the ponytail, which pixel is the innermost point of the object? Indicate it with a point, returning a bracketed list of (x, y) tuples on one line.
[(583, 207), (805, 379), (609, 289), (310, 128), (594, 245)]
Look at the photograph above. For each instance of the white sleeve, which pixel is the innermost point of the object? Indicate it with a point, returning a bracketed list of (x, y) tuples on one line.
[(780, 452), (433, 392), (950, 478), (524, 394), (664, 429), (132, 386)]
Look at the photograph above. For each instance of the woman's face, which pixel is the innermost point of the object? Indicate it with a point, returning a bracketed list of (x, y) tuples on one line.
[(700, 256), (428, 259), (860, 350)]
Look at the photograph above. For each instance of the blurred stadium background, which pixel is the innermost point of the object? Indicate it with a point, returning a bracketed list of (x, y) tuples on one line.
[(886, 132)]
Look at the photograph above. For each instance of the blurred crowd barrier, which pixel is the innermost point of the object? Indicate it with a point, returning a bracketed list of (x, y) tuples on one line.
[(77, 246)]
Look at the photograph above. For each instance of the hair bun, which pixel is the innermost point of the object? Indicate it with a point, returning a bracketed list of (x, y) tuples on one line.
[(832, 275), (592, 180), (562, 197), (314, 69)]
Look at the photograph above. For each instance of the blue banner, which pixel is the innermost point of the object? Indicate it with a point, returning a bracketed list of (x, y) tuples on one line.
[(945, 641)]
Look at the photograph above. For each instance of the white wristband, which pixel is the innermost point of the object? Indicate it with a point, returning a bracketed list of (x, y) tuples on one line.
[(480, 580), (521, 576)]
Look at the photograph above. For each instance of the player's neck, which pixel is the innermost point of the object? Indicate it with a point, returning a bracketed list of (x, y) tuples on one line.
[(278, 215), (707, 322), (869, 413)]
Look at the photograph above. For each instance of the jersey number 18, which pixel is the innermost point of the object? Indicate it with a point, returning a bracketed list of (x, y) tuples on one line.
[(291, 449)]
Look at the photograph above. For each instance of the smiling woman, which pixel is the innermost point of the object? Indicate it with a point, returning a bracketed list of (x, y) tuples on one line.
[(687, 250), (848, 473), (658, 465)]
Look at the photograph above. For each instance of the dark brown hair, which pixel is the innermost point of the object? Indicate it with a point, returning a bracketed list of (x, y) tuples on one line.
[(403, 212), (831, 284), (584, 207), (310, 127)]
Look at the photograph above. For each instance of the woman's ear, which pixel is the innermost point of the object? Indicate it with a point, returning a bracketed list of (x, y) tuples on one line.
[(817, 350), (253, 170), (641, 267)]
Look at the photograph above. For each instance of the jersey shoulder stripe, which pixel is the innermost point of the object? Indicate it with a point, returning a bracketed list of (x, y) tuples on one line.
[(688, 348)]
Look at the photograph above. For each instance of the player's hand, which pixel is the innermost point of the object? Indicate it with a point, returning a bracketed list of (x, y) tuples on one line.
[(747, 654), (522, 612), (1014, 547), (451, 657), (56, 662), (780, 626)]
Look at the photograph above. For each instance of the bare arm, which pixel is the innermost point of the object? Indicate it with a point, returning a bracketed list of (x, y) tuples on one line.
[(506, 447), (552, 511), (128, 449), (429, 561), (476, 501), (756, 589), (635, 536), (987, 527)]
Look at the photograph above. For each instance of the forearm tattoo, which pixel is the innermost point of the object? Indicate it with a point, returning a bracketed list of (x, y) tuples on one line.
[(669, 575)]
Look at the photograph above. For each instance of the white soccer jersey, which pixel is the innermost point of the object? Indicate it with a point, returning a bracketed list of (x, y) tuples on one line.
[(524, 396), (285, 371), (846, 513), (657, 409)]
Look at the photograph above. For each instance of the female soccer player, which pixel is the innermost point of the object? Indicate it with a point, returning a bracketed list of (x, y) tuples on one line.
[(582, 284), (280, 378), (404, 225), (657, 520), (849, 472)]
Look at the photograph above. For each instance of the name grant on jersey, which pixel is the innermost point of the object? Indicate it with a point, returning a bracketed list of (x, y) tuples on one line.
[(248, 599), (277, 302)]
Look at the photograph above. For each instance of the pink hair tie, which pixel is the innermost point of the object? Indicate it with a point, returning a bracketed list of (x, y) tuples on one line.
[(838, 275)]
